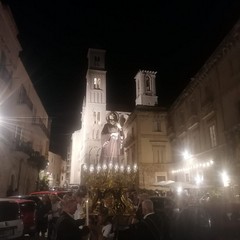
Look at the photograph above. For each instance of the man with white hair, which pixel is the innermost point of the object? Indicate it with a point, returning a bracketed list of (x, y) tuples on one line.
[(67, 227), (149, 227)]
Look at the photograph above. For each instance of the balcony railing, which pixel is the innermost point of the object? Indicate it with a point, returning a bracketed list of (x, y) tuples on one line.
[(192, 120), (37, 160), (207, 107), (24, 98), (39, 122), (23, 146)]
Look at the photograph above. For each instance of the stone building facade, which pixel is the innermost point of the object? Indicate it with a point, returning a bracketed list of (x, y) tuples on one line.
[(146, 142), (24, 123), (54, 169), (205, 119)]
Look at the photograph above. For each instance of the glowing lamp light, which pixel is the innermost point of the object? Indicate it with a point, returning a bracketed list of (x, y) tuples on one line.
[(225, 179), (135, 168), (179, 190), (91, 169), (186, 155), (84, 167), (104, 167), (98, 168), (121, 168), (116, 167), (198, 179), (110, 165)]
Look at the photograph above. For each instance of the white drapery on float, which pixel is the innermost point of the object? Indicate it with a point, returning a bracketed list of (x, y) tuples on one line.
[(174, 185)]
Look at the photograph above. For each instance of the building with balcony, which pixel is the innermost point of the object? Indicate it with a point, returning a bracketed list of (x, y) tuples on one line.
[(24, 122), (205, 119)]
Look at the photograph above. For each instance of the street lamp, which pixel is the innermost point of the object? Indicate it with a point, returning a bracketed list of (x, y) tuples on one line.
[(186, 155), (199, 179), (188, 158), (225, 179)]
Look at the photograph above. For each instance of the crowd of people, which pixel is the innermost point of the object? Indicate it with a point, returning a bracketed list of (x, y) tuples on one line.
[(64, 219), (52, 216)]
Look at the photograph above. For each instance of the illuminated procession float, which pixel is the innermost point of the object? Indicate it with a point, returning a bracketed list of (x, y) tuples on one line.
[(109, 180)]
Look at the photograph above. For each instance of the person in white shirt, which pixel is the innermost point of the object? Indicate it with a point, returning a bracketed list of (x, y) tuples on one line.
[(107, 227), (80, 213)]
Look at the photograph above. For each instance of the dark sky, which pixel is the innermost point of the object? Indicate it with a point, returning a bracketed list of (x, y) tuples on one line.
[(173, 38)]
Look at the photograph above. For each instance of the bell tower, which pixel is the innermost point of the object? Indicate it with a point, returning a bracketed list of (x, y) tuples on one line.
[(94, 107), (146, 88)]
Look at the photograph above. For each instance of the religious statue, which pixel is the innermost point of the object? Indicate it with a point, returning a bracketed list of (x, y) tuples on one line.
[(111, 138)]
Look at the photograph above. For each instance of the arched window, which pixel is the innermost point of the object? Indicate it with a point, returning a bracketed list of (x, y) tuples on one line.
[(148, 85), (96, 83)]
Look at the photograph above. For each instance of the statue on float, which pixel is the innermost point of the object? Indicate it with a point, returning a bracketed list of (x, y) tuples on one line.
[(112, 140)]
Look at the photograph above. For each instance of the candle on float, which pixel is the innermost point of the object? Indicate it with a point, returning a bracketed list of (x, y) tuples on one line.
[(87, 212)]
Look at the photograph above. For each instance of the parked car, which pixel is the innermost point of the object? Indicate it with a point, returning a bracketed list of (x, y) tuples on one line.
[(28, 210), (60, 194), (36, 199), (11, 224)]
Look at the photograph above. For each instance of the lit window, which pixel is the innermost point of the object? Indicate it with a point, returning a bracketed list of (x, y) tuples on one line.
[(156, 126), (213, 138), (158, 154), (98, 118), (161, 178), (148, 83), (94, 118), (96, 83), (18, 133)]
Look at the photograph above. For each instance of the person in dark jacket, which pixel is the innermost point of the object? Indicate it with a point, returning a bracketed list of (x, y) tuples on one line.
[(150, 227), (67, 228), (43, 210)]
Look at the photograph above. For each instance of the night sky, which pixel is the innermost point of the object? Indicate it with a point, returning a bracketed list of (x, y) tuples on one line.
[(174, 38)]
